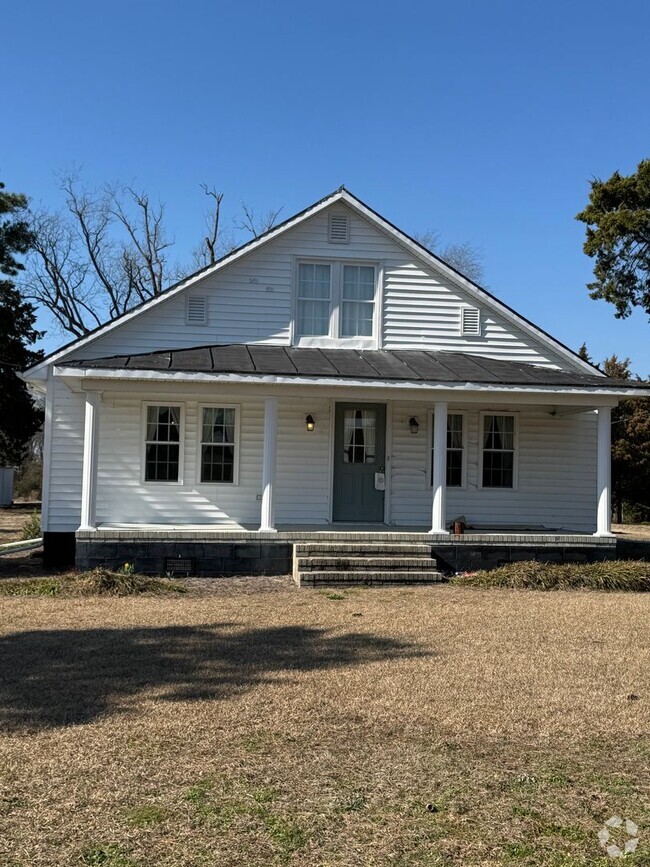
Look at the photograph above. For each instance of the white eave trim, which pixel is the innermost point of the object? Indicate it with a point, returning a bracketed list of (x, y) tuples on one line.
[(82, 373), (371, 216)]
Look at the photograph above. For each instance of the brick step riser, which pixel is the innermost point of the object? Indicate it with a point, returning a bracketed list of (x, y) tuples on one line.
[(369, 578), (372, 564), (361, 551)]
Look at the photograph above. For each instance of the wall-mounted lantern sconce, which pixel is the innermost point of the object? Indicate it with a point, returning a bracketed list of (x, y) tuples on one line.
[(309, 423), (414, 425)]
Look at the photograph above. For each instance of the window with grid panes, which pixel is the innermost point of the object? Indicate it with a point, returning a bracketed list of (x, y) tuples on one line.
[(498, 451), (314, 299), (454, 450), (357, 301), (162, 444), (218, 444)]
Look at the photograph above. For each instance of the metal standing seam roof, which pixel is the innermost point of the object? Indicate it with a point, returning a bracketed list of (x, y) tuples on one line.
[(415, 365)]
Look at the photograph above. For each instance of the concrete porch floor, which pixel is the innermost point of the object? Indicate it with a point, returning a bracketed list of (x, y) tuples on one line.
[(342, 533)]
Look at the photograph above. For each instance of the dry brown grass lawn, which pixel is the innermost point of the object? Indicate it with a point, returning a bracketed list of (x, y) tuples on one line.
[(12, 522), (632, 531), (300, 728)]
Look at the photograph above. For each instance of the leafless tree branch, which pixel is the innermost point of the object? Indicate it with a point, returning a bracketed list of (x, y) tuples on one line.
[(257, 225)]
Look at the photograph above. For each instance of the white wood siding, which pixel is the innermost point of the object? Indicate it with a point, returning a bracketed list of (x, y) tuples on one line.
[(66, 458), (556, 455), (250, 301), (123, 496), (303, 462), (422, 310), (556, 479)]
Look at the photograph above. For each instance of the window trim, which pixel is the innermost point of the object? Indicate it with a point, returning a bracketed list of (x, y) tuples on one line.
[(515, 459), (181, 443), (429, 434), (199, 443), (336, 300)]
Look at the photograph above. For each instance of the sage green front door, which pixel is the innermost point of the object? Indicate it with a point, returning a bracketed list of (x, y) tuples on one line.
[(359, 462)]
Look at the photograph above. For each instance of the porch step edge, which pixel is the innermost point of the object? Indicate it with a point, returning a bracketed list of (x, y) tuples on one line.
[(332, 563), (370, 578)]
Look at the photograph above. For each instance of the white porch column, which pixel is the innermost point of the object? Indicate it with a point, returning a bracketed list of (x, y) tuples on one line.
[(267, 523), (89, 470), (439, 468), (604, 472)]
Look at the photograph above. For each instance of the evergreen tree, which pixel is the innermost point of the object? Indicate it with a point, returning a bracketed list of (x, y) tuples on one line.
[(630, 448), (584, 353), (618, 238), (19, 418)]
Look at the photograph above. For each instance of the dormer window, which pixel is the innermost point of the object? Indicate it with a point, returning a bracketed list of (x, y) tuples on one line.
[(335, 300)]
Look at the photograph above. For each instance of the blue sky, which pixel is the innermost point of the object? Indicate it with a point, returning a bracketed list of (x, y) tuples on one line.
[(482, 120)]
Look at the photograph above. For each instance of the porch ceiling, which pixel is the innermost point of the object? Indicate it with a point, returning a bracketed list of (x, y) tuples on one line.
[(382, 365)]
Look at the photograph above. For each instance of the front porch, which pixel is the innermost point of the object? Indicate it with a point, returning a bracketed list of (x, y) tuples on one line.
[(385, 554), (228, 469)]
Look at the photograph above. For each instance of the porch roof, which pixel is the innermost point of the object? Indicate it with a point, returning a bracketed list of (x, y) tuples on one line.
[(378, 365)]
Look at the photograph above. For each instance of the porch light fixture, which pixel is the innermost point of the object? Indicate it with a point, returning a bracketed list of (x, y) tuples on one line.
[(414, 425), (309, 423)]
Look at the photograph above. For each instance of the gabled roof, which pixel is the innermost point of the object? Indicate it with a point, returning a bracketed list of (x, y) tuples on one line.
[(408, 365), (347, 198)]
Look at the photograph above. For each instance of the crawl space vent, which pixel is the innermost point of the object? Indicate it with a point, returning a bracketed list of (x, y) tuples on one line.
[(197, 310), (177, 566), (339, 229), (470, 321)]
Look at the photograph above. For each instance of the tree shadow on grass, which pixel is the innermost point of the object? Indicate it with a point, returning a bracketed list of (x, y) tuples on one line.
[(55, 678)]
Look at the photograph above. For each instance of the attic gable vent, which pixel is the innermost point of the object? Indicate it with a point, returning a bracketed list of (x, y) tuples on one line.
[(197, 310), (339, 229), (470, 322)]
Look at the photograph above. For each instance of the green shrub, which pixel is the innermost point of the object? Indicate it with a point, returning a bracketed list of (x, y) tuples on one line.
[(31, 528), (631, 575)]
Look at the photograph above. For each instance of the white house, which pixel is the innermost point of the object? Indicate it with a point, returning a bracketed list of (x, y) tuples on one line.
[(332, 375)]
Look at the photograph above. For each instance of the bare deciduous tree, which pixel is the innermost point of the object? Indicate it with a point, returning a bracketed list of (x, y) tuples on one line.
[(257, 225), (464, 257), (96, 259), (108, 250), (212, 220)]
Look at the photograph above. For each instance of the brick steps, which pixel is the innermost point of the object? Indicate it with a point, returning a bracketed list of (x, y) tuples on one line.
[(360, 564), (325, 564)]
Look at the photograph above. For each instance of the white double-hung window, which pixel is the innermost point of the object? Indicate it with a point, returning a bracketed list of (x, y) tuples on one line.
[(335, 299), (314, 299), (455, 450), (357, 301), (498, 454), (162, 444), (219, 444)]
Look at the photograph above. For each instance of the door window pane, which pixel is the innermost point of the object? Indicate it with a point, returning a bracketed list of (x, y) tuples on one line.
[(359, 436)]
